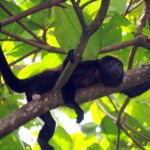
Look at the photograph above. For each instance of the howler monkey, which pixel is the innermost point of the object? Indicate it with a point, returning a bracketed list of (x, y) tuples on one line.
[(108, 71)]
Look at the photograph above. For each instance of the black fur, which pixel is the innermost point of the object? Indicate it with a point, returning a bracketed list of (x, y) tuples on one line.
[(137, 90), (108, 71)]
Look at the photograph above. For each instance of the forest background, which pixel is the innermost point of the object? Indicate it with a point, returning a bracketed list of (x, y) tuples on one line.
[(36, 35)]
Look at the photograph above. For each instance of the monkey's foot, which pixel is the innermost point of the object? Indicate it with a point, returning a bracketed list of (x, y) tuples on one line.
[(36, 97), (80, 117)]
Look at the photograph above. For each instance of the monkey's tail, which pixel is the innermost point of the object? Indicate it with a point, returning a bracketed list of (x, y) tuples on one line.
[(10, 79)]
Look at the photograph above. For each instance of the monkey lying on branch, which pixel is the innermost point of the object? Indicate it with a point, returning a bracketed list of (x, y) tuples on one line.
[(108, 71)]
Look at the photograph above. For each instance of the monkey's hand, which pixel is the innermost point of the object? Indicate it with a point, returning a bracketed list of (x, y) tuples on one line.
[(70, 56)]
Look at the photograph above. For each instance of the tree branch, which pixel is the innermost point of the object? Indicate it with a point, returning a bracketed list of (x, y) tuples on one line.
[(47, 4), (22, 25), (33, 43), (82, 43), (140, 40), (99, 18), (53, 99)]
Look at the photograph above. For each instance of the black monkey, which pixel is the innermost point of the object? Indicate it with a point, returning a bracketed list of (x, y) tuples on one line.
[(108, 71), (33, 87)]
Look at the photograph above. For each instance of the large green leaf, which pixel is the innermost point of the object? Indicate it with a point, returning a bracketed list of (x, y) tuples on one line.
[(68, 31)]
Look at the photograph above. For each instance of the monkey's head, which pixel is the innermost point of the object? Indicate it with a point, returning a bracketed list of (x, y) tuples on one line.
[(111, 71)]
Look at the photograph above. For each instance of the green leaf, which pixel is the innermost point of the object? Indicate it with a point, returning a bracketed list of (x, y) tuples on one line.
[(118, 6), (40, 19), (89, 128), (140, 110), (68, 31), (13, 27), (30, 70), (11, 142), (51, 60), (94, 146), (61, 139), (97, 114), (67, 27)]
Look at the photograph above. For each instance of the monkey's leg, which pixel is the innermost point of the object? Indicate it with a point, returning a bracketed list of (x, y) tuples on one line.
[(68, 93)]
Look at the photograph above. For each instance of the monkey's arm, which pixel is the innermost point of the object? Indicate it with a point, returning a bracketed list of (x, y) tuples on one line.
[(137, 90)]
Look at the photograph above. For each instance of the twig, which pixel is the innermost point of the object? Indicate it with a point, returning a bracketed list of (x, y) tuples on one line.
[(133, 138), (47, 4), (131, 57), (121, 111), (138, 133), (137, 5), (127, 10), (78, 11), (30, 42), (105, 111), (22, 25), (23, 57), (110, 99), (118, 139)]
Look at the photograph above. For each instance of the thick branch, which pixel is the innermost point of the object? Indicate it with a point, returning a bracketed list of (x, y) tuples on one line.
[(53, 99)]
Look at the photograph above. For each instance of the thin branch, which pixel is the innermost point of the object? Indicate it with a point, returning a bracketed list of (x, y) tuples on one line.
[(32, 43), (9, 40), (131, 57), (22, 25), (118, 46), (26, 55), (137, 5), (110, 99), (118, 138), (82, 44), (47, 4), (105, 111), (136, 132), (133, 138), (121, 111), (99, 18), (78, 11), (127, 10), (140, 40)]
